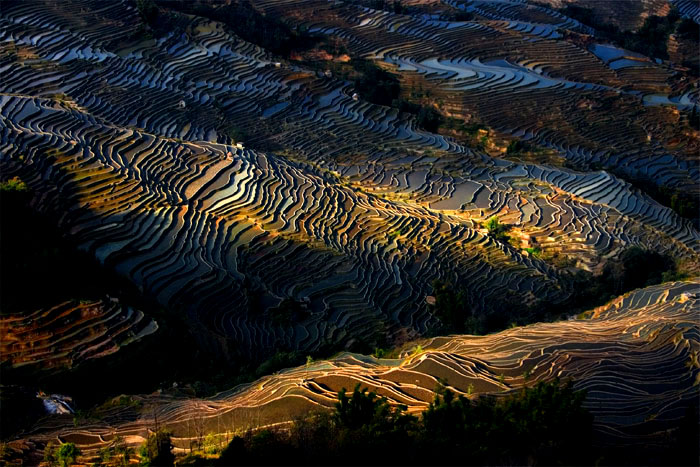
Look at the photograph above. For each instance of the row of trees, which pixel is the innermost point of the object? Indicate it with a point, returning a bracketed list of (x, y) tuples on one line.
[(545, 424), (542, 424)]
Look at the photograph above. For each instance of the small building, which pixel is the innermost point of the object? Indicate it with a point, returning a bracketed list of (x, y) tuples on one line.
[(181, 104), (328, 74), (355, 96), (430, 300)]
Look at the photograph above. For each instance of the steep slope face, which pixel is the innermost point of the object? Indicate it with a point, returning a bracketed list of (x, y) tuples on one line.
[(636, 357)]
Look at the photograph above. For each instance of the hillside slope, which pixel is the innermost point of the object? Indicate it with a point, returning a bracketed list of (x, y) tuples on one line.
[(637, 358)]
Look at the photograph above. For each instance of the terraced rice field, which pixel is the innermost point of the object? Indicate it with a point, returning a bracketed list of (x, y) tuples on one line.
[(636, 357), (68, 333), (360, 201), (350, 208)]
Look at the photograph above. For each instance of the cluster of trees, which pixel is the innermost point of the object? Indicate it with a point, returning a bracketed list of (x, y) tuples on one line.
[(148, 11), (635, 268), (383, 88), (427, 117), (650, 39), (542, 424), (155, 21), (117, 454), (223, 377), (393, 6), (375, 84), (688, 29), (289, 311), (470, 134), (157, 450), (459, 314), (498, 230), (454, 308), (518, 146), (682, 203), (250, 24), (61, 455), (15, 184), (461, 15)]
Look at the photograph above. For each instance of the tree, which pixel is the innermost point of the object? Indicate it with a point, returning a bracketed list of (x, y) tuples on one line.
[(429, 119), (518, 146), (147, 10), (367, 426), (497, 230), (367, 411), (375, 84), (453, 308), (51, 454), (13, 184), (688, 29), (493, 225), (211, 443), (157, 449), (199, 429), (545, 424), (361, 409), (67, 454), (120, 452)]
